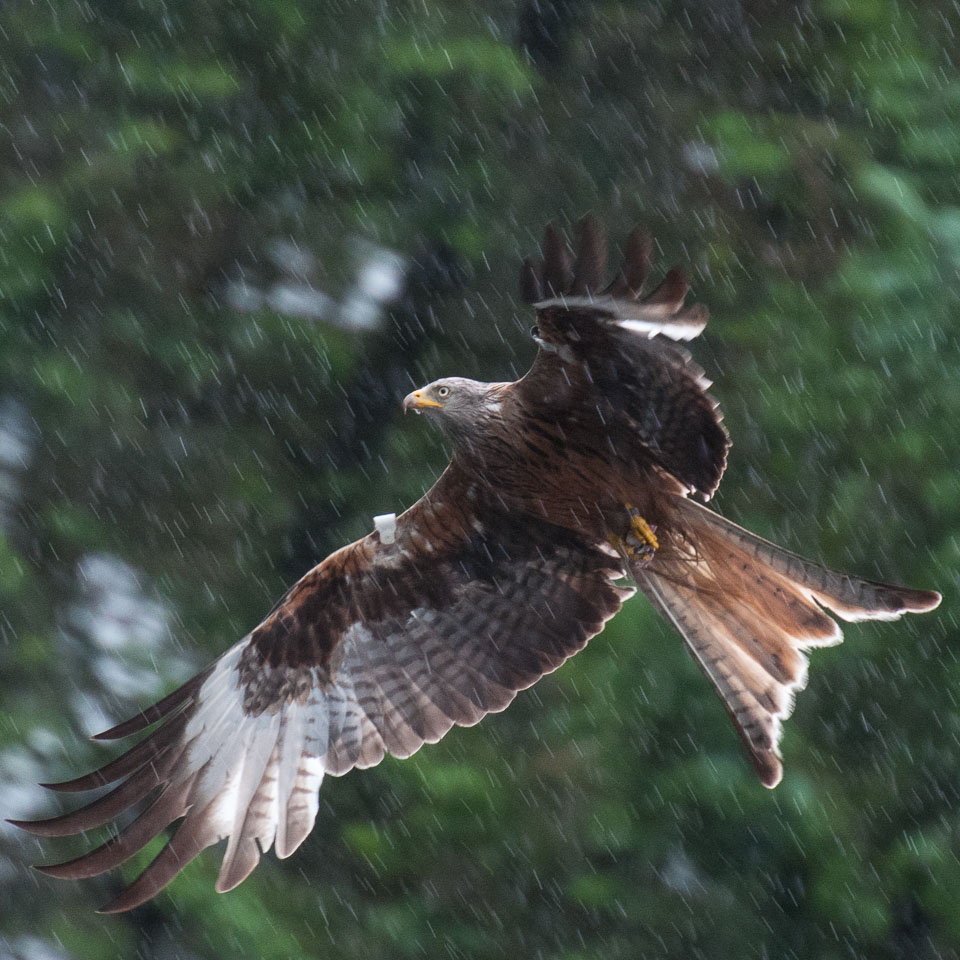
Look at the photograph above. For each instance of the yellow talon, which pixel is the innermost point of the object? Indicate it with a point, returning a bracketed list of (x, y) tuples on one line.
[(641, 529), (640, 544)]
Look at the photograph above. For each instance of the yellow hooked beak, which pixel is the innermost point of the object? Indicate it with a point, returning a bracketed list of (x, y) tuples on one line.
[(417, 401)]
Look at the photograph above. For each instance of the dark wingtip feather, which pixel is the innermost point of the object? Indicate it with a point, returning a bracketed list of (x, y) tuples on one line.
[(28, 825), (103, 858), (158, 711), (637, 255), (51, 827), (89, 781), (919, 601), (146, 751), (128, 899), (591, 265), (559, 275), (189, 840), (170, 805), (531, 289), (137, 722), (557, 263), (100, 811), (117, 905), (59, 871), (671, 292)]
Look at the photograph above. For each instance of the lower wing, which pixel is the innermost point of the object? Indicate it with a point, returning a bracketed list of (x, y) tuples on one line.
[(381, 648)]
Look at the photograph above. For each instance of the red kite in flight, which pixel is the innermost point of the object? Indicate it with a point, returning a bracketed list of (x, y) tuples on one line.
[(561, 485)]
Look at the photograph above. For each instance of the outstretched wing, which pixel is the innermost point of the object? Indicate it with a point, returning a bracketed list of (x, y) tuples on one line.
[(381, 648), (609, 348)]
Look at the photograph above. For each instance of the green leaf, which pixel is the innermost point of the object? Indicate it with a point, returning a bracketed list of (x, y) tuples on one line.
[(496, 64), (744, 148), (594, 890), (894, 190), (32, 209)]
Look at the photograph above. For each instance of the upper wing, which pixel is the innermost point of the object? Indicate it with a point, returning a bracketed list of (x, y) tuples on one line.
[(379, 649), (604, 349)]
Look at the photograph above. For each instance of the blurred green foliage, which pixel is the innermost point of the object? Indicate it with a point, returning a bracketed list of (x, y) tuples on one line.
[(803, 161)]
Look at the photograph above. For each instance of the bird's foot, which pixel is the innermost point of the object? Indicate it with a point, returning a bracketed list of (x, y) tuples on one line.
[(640, 544), (641, 531)]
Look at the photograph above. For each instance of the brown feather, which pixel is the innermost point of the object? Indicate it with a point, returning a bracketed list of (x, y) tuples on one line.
[(590, 268), (636, 260), (557, 263), (494, 578), (162, 708), (106, 808), (749, 611), (149, 750), (167, 807), (668, 297), (531, 289), (628, 282), (191, 838)]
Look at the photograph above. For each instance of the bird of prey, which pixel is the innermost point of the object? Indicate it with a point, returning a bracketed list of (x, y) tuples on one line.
[(567, 490)]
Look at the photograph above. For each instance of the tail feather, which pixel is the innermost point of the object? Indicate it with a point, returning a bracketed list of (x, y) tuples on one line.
[(850, 598), (748, 610), (754, 701)]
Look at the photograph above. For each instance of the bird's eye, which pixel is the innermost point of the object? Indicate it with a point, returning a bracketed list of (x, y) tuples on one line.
[(535, 331), (443, 392)]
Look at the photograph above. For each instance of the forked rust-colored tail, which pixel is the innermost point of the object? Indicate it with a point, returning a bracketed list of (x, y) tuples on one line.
[(748, 610)]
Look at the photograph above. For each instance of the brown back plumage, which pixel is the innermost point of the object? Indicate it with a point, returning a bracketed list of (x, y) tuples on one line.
[(615, 345), (505, 568)]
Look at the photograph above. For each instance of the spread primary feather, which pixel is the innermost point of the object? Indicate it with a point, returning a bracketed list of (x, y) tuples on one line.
[(505, 568)]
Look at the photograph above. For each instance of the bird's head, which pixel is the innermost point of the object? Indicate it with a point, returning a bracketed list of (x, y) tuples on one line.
[(460, 407)]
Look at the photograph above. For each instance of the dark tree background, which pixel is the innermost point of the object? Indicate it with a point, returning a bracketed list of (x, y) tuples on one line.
[(234, 234)]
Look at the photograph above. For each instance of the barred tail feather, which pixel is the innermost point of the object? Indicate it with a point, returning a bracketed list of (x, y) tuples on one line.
[(749, 610), (850, 598)]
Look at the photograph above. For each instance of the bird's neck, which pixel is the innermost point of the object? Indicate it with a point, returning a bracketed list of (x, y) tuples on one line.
[(476, 438)]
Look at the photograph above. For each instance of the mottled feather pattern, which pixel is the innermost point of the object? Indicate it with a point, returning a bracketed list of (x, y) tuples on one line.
[(504, 569), (666, 402), (615, 347), (243, 754)]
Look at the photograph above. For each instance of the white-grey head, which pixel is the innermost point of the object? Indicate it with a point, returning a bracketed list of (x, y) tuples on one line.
[(462, 408)]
